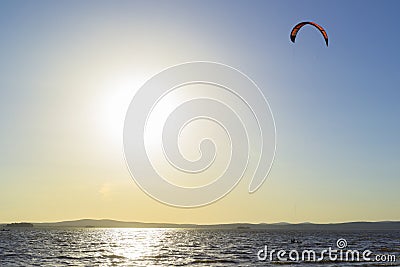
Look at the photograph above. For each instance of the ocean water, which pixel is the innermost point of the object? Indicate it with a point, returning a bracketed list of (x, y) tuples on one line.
[(187, 247)]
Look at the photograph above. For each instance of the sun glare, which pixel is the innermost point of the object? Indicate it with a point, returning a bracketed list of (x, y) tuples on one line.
[(113, 104)]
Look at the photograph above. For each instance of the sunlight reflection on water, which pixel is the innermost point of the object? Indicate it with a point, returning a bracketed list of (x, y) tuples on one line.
[(134, 244)]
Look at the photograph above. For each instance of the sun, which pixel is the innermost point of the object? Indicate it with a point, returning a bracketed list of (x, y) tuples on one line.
[(111, 106)]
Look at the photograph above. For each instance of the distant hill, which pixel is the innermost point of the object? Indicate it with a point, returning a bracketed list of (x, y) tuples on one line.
[(89, 223)]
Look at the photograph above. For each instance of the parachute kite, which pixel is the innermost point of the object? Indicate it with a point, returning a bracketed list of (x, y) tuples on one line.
[(301, 24)]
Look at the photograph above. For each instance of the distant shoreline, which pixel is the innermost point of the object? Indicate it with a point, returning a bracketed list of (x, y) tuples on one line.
[(89, 223), (19, 225)]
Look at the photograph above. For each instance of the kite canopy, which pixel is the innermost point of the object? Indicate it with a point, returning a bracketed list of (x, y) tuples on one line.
[(296, 28)]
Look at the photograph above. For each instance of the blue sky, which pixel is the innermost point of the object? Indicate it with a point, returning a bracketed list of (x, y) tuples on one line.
[(336, 108)]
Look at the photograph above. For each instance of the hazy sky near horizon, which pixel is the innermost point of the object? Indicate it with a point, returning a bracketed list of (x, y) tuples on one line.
[(68, 70)]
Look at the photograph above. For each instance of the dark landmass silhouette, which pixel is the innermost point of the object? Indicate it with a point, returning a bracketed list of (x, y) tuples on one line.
[(106, 223), (22, 224)]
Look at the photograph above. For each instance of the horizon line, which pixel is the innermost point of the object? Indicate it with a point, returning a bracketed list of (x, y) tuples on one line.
[(199, 224)]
